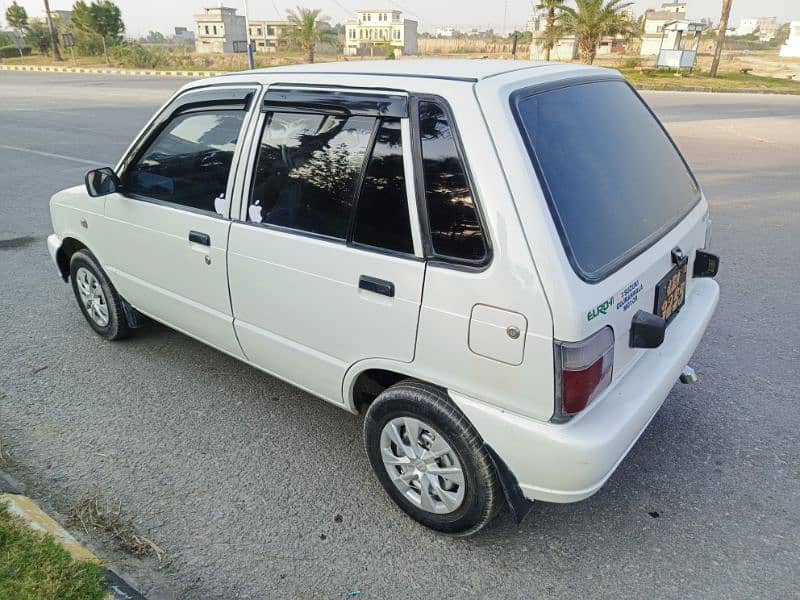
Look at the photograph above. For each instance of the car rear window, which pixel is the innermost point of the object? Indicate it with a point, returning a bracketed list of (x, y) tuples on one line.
[(614, 180)]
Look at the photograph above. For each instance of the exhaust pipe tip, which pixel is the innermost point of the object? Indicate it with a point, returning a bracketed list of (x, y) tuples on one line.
[(688, 375)]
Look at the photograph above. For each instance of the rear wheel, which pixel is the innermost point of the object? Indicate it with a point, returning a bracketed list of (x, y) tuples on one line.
[(430, 459), (96, 296)]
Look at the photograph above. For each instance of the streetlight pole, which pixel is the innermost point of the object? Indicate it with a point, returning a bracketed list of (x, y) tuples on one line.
[(250, 58)]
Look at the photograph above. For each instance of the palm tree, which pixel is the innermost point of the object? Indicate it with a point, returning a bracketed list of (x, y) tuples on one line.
[(590, 20), (308, 29), (547, 42), (723, 25)]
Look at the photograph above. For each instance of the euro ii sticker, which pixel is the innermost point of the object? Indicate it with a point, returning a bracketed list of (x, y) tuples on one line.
[(600, 309), (622, 300)]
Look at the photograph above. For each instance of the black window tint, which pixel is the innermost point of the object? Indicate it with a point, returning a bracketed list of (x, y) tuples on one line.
[(615, 180), (382, 213), (189, 161), (307, 171), (454, 225)]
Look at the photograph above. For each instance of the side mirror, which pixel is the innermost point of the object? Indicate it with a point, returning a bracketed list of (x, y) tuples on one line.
[(100, 182), (647, 330)]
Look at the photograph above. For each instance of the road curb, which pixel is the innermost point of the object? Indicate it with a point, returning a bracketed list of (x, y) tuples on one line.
[(710, 90), (30, 512), (110, 71)]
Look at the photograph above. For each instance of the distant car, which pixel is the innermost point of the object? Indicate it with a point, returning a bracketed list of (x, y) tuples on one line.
[(504, 265)]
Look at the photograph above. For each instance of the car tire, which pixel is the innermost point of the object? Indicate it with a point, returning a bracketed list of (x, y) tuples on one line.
[(98, 300), (430, 459)]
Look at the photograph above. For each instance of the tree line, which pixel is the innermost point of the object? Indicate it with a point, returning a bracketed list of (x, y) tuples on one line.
[(94, 27)]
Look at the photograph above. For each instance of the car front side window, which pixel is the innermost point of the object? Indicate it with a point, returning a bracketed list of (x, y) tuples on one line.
[(189, 160)]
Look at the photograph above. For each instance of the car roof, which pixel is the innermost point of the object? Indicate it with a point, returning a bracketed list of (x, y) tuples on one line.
[(423, 75), (449, 69)]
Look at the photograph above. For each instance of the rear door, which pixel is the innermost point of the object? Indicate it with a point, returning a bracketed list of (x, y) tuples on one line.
[(325, 262), (169, 224), (619, 193)]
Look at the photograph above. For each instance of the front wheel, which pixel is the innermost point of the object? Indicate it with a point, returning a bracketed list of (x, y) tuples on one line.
[(430, 459), (96, 296)]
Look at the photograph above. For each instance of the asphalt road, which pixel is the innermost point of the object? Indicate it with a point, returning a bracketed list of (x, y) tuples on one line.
[(255, 489)]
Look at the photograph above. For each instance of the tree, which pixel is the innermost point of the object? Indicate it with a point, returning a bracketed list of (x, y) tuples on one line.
[(547, 42), (589, 21), (154, 37), (52, 27), (308, 28), (17, 19), (101, 18), (39, 35), (723, 25)]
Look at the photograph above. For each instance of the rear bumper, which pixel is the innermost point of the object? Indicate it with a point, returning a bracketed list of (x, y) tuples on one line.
[(569, 462)]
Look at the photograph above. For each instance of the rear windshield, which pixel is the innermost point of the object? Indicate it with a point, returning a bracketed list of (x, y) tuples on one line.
[(614, 180)]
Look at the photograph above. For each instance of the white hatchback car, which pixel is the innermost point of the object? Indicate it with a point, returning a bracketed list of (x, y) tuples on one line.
[(502, 264)]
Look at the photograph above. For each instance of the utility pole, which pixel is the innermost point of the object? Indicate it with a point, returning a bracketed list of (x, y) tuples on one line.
[(53, 36), (723, 25), (250, 58)]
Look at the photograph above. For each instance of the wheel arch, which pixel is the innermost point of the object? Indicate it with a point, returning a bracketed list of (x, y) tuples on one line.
[(69, 246)]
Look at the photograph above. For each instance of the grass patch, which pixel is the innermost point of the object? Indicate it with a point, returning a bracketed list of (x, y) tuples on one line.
[(34, 567), (728, 81)]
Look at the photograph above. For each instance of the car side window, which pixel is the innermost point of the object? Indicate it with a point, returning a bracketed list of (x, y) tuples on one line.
[(452, 215), (189, 161), (381, 218), (307, 171)]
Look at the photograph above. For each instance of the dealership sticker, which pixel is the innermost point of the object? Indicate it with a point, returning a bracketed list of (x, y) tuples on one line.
[(622, 300), (628, 296)]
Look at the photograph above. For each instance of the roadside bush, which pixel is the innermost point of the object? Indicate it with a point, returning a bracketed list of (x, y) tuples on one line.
[(138, 56), (13, 51), (632, 63)]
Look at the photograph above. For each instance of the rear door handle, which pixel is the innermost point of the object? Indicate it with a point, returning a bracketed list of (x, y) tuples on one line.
[(378, 286), (200, 238)]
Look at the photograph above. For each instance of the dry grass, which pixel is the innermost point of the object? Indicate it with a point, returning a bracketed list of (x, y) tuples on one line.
[(102, 514), (5, 456)]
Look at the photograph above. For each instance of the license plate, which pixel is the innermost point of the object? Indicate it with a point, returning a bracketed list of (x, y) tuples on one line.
[(671, 292)]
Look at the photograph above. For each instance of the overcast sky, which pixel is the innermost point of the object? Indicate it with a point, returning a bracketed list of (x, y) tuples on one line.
[(142, 16)]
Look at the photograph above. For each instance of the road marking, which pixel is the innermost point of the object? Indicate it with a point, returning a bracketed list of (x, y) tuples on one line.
[(51, 155)]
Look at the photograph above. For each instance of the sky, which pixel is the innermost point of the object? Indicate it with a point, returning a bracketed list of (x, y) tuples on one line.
[(141, 16)]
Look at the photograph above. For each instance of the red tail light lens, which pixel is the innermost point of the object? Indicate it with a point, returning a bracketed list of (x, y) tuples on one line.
[(586, 369)]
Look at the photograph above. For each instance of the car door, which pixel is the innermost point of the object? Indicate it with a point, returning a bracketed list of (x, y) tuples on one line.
[(169, 222), (325, 261)]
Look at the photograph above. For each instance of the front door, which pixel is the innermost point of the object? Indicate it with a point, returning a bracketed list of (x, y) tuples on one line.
[(325, 263), (169, 224)]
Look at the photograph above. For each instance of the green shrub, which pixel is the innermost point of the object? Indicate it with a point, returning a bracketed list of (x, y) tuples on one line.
[(138, 56), (632, 63), (13, 51)]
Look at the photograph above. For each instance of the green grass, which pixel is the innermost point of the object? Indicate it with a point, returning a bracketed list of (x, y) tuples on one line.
[(34, 567), (728, 81)]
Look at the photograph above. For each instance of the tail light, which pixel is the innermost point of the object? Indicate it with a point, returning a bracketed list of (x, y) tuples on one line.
[(583, 370)]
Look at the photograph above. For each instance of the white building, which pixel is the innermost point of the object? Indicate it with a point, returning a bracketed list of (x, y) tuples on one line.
[(766, 27), (220, 29), (377, 31), (266, 35), (792, 46), (654, 21), (444, 32)]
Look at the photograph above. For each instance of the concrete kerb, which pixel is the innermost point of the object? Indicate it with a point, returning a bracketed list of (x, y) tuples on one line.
[(109, 71), (29, 511)]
